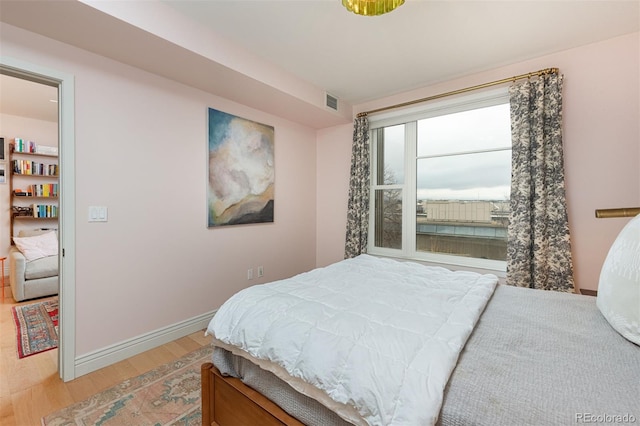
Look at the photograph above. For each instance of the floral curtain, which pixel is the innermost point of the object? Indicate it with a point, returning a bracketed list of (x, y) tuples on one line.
[(358, 204), (538, 247)]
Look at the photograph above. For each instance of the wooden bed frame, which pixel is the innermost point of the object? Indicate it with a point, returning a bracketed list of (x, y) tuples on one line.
[(226, 401)]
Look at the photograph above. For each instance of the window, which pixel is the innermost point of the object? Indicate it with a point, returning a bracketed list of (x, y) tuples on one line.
[(441, 180)]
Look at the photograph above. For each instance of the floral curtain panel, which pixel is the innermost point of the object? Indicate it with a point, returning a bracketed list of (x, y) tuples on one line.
[(538, 248), (358, 204)]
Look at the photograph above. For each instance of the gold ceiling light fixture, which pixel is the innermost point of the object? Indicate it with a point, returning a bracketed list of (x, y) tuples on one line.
[(371, 7)]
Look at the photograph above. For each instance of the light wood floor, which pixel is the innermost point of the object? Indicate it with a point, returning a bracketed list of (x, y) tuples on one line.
[(30, 388)]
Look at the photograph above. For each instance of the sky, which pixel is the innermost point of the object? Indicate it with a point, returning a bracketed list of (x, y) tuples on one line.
[(482, 171)]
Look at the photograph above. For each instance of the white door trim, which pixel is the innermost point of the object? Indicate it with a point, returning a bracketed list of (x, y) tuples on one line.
[(66, 220)]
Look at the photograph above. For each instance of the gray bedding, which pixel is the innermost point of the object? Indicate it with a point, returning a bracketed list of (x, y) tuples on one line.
[(542, 358), (535, 358)]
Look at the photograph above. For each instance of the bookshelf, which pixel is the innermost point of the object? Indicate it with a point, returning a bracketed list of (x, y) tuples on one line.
[(33, 185)]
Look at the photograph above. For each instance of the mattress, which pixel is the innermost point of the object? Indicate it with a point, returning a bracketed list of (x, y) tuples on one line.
[(302, 407), (535, 357)]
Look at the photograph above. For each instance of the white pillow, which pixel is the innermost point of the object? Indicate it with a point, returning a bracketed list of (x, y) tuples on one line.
[(619, 288), (37, 246)]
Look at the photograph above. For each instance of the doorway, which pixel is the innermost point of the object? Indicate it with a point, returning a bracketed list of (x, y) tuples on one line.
[(66, 219)]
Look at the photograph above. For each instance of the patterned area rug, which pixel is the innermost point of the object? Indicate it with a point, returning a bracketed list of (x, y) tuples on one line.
[(167, 395), (36, 327)]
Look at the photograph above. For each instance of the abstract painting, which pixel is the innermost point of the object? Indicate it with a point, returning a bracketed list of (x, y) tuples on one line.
[(241, 170)]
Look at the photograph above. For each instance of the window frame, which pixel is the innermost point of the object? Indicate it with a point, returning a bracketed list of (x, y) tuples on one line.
[(409, 117)]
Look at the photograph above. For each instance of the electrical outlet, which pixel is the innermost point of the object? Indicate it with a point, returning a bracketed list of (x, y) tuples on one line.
[(250, 273), (260, 271)]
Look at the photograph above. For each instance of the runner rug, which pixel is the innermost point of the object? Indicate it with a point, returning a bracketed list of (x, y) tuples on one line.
[(36, 327), (167, 395)]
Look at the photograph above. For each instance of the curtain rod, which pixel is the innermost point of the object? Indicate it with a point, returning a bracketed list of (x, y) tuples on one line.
[(622, 212), (468, 89)]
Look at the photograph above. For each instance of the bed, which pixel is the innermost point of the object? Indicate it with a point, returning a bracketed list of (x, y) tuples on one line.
[(485, 354)]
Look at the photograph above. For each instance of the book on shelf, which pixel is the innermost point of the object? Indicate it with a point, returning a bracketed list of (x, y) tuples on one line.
[(27, 167), (46, 150), (43, 190), (22, 146), (45, 211)]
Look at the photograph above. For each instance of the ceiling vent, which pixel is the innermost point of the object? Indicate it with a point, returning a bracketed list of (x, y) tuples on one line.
[(331, 102)]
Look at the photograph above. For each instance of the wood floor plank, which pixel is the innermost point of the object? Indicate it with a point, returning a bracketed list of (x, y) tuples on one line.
[(82, 388), (6, 411), (24, 410), (182, 346)]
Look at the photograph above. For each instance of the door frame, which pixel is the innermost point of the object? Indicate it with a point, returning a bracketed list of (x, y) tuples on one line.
[(66, 219)]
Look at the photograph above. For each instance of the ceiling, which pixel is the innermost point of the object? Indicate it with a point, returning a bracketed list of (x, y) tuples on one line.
[(319, 43), (359, 58), (25, 98)]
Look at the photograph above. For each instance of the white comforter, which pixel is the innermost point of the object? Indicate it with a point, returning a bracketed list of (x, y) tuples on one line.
[(376, 334)]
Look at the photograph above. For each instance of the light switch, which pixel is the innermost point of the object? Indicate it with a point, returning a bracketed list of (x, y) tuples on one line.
[(97, 214)]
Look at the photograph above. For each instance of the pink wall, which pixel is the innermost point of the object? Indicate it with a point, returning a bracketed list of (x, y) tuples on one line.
[(601, 138), (334, 163), (141, 151)]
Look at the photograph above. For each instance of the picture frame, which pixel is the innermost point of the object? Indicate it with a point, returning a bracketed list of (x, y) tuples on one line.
[(241, 172)]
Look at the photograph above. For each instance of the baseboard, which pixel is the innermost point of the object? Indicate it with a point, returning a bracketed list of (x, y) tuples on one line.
[(111, 354)]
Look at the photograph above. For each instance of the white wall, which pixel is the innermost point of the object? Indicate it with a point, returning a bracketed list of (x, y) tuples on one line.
[(601, 138), (141, 151)]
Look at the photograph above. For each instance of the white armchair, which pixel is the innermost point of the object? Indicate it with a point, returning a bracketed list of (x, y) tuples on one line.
[(32, 279)]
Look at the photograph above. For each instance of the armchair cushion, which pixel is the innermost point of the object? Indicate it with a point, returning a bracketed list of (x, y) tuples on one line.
[(41, 268), (37, 246)]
